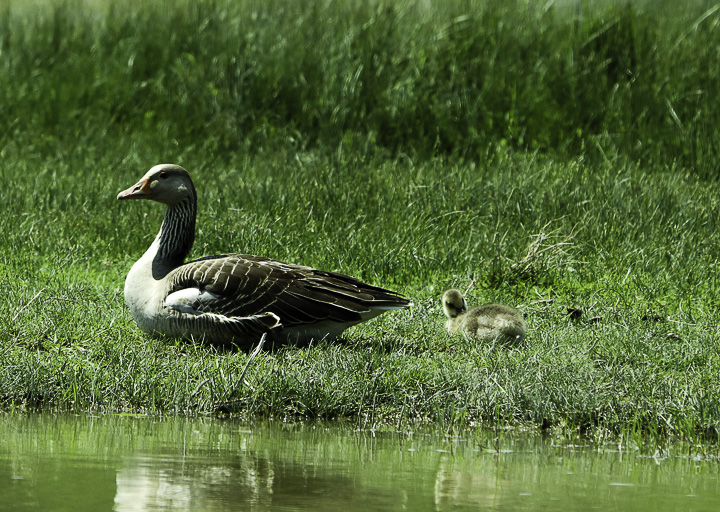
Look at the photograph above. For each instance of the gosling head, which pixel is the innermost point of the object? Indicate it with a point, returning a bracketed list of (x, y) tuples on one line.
[(454, 303)]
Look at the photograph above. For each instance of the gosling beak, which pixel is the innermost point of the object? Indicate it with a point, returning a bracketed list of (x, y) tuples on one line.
[(141, 190)]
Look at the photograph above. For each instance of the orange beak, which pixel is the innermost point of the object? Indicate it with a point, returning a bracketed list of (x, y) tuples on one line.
[(141, 190)]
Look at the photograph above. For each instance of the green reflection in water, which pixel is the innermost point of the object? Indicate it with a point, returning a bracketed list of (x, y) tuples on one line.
[(123, 463)]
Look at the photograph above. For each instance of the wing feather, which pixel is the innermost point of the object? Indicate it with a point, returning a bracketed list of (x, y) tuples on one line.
[(244, 286)]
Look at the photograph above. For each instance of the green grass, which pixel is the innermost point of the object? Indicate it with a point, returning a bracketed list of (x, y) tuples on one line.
[(559, 159), (607, 79)]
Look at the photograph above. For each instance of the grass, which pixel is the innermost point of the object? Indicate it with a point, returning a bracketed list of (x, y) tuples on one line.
[(562, 160), (634, 79)]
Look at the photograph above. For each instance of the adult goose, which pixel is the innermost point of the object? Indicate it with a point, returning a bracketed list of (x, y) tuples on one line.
[(485, 323), (233, 299)]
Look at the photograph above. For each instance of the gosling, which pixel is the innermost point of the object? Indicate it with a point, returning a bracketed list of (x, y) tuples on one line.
[(489, 322)]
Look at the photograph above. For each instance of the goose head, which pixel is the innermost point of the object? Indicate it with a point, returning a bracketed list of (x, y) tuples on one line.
[(165, 183), (454, 303)]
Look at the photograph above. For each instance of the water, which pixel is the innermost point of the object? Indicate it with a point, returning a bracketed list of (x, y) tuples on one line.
[(126, 463)]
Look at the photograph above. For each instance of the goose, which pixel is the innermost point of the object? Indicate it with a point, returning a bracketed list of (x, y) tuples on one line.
[(234, 299), (486, 323)]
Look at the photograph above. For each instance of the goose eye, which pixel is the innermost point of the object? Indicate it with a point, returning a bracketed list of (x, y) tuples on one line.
[(163, 175)]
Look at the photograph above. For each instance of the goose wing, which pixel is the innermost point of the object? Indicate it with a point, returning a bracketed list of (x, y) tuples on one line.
[(243, 286)]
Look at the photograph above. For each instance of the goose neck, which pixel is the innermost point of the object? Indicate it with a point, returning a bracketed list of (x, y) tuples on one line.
[(175, 239)]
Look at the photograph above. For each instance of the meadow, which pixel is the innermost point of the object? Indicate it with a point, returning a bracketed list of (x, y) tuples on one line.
[(562, 158)]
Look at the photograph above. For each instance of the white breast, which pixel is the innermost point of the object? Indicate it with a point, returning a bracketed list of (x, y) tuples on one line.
[(144, 295), (187, 300)]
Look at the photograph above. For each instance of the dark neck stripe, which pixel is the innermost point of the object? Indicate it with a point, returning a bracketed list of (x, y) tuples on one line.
[(177, 233)]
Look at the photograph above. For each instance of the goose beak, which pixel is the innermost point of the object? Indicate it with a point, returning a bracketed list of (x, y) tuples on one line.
[(141, 190)]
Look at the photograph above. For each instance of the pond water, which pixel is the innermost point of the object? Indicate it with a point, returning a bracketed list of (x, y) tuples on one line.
[(128, 463)]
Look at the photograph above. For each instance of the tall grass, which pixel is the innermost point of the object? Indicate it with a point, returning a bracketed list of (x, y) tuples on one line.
[(635, 79), (558, 158)]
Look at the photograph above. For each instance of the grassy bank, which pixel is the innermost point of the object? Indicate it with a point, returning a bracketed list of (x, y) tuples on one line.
[(416, 148)]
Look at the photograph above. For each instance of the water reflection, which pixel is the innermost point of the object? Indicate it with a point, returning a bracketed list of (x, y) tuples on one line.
[(290, 467), (123, 463)]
